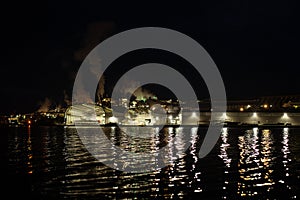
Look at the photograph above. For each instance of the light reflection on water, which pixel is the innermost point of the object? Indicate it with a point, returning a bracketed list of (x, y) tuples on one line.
[(254, 163)]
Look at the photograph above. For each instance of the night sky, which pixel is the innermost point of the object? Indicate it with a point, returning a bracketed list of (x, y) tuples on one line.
[(254, 45)]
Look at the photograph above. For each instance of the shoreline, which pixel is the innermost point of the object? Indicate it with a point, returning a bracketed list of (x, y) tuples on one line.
[(165, 126)]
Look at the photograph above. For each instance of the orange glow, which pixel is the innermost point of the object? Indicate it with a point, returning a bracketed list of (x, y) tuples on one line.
[(29, 122)]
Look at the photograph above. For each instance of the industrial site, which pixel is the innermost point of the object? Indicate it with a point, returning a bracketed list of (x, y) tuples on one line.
[(269, 110)]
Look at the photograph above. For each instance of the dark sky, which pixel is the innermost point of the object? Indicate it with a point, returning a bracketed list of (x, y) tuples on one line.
[(254, 45)]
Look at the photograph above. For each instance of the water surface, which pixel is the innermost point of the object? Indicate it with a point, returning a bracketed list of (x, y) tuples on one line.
[(251, 163)]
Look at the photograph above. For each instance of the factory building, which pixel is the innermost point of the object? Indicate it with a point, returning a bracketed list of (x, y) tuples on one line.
[(85, 114)]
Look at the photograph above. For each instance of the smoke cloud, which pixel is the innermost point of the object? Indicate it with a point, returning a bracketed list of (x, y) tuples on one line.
[(132, 87), (142, 93), (96, 33), (45, 105), (81, 94)]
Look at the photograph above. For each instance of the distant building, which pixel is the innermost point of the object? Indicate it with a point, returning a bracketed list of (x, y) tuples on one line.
[(85, 114)]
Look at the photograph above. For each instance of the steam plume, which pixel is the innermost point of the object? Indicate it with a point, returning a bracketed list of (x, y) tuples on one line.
[(45, 105)]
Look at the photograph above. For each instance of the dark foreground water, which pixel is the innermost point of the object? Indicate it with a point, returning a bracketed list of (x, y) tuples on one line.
[(246, 163)]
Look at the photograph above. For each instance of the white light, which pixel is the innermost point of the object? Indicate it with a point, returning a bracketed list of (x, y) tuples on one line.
[(255, 114), (255, 131), (224, 116), (285, 115), (113, 119)]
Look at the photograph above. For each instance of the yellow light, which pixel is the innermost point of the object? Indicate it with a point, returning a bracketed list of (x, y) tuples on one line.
[(265, 105), (241, 109)]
